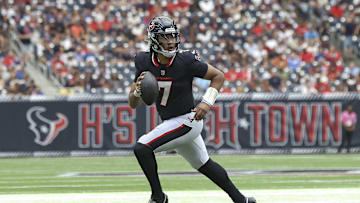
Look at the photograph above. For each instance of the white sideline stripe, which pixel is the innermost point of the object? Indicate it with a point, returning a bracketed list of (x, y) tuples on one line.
[(57, 180), (69, 186), (354, 172), (348, 195), (231, 173), (63, 181), (75, 181), (68, 175)]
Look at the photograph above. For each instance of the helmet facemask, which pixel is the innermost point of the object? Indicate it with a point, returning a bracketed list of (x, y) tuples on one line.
[(159, 45)]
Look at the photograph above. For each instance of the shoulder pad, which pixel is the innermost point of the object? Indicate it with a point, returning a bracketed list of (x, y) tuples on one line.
[(191, 53), (141, 58), (141, 54)]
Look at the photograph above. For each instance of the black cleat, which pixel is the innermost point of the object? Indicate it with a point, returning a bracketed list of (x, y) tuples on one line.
[(166, 200), (250, 200)]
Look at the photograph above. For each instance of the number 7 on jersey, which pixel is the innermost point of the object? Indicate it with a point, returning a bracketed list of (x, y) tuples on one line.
[(165, 87)]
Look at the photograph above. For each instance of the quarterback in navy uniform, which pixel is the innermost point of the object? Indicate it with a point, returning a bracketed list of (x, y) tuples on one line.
[(182, 123)]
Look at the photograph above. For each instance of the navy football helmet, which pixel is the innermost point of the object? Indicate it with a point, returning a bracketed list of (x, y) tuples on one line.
[(163, 26)]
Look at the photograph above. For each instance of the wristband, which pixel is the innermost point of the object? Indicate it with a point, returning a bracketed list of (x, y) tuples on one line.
[(137, 93), (210, 96)]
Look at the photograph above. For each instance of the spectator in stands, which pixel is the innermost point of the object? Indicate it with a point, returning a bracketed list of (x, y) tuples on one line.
[(350, 29), (352, 69), (311, 34), (307, 56), (351, 84), (348, 120), (9, 59), (306, 87), (338, 10), (266, 87), (333, 55), (245, 75), (334, 70), (321, 85), (279, 61), (232, 74), (275, 80), (301, 29), (293, 61)]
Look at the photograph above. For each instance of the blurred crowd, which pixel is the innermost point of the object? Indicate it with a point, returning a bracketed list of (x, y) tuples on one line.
[(14, 80), (261, 45)]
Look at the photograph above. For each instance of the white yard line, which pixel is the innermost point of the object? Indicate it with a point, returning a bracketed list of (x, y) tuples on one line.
[(117, 184), (69, 186), (346, 195), (75, 183)]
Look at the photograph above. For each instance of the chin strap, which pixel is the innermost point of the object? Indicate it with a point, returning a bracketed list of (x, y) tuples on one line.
[(210, 96)]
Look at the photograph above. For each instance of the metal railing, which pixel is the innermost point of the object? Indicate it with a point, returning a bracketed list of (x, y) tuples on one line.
[(19, 49)]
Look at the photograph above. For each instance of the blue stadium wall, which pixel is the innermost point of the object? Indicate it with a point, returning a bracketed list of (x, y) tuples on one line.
[(106, 125)]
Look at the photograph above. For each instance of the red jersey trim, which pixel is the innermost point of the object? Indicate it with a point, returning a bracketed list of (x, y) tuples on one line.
[(170, 61), (163, 135), (156, 62)]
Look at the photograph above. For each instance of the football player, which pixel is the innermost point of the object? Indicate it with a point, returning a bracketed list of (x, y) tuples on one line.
[(182, 123)]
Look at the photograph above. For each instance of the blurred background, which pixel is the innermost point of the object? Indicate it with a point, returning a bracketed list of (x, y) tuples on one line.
[(273, 52), (285, 124), (78, 56), (87, 46)]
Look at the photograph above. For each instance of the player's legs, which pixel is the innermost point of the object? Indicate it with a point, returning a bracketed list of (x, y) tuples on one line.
[(344, 139), (196, 154), (167, 135), (219, 176), (349, 136), (147, 161)]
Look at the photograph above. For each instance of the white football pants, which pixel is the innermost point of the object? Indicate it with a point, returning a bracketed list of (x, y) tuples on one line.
[(182, 134)]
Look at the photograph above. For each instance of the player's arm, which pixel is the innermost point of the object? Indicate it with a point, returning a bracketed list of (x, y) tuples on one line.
[(134, 98), (217, 80)]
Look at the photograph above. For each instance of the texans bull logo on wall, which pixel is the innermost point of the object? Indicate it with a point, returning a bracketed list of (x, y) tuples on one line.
[(45, 130)]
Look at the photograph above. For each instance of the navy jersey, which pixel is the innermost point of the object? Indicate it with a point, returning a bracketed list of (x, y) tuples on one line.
[(174, 80)]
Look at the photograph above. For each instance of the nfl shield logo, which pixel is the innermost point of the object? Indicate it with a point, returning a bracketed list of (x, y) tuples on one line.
[(162, 72)]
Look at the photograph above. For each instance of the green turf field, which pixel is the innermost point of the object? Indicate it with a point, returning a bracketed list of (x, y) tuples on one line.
[(117, 179)]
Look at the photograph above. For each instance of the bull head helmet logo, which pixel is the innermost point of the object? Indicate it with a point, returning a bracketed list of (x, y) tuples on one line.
[(45, 130)]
